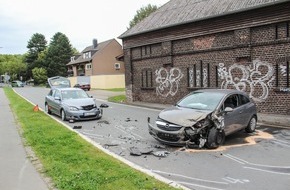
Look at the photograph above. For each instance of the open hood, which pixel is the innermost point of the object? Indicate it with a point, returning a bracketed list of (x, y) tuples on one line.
[(58, 82)]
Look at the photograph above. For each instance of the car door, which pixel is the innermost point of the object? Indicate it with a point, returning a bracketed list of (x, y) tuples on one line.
[(56, 102), (245, 110), (232, 120)]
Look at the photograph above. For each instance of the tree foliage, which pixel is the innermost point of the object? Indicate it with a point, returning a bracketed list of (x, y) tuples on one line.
[(58, 55), (35, 46), (12, 65), (142, 13), (39, 75)]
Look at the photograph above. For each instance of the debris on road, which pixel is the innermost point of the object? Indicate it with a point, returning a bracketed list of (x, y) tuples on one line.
[(104, 105), (77, 127), (161, 153), (134, 151), (104, 121)]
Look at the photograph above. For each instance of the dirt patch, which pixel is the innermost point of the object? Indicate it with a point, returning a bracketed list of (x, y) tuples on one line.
[(237, 142)]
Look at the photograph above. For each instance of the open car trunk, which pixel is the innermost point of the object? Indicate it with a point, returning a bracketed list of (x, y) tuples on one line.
[(58, 82)]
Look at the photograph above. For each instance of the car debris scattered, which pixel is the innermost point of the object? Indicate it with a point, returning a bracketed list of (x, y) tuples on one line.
[(161, 153), (104, 105), (77, 127), (104, 121), (135, 151)]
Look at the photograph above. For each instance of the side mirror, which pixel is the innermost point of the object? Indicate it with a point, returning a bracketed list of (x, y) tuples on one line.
[(228, 109), (104, 105), (57, 98)]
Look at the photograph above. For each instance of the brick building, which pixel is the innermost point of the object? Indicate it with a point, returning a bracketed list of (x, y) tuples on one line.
[(188, 45)]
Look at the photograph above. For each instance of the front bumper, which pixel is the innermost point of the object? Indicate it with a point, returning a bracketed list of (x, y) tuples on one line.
[(82, 115), (174, 138)]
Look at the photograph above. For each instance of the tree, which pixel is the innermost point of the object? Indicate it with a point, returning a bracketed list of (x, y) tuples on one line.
[(58, 55), (142, 13), (13, 65), (35, 45), (39, 75)]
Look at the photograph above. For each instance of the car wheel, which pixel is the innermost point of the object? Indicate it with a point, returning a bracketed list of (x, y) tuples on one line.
[(252, 125), (63, 116), (215, 138), (47, 110)]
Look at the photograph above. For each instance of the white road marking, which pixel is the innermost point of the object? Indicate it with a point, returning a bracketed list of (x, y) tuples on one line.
[(280, 173), (196, 179), (196, 185)]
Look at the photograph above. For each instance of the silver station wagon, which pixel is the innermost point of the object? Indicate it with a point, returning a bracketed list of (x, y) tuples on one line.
[(70, 103), (204, 118)]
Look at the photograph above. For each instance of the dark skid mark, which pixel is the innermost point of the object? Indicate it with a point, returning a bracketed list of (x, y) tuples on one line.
[(77, 127)]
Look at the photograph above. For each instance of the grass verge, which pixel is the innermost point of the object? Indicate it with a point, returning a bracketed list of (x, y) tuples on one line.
[(70, 161), (117, 99)]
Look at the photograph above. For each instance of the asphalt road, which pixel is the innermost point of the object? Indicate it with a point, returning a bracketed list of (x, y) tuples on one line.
[(246, 161)]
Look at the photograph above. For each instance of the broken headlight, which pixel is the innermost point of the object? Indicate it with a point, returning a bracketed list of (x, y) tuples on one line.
[(201, 123)]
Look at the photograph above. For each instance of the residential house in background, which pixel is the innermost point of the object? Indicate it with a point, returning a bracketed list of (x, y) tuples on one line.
[(100, 64), (188, 45)]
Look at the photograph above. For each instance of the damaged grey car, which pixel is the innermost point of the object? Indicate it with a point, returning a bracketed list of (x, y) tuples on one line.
[(204, 118)]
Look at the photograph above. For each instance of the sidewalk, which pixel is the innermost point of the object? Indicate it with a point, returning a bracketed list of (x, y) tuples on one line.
[(16, 170)]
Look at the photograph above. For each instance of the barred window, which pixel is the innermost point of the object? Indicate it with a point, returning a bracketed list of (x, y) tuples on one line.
[(146, 78), (198, 76)]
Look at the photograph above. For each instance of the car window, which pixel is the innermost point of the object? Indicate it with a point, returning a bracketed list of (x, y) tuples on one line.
[(201, 100), (57, 94), (231, 101), (50, 93), (244, 99), (73, 94)]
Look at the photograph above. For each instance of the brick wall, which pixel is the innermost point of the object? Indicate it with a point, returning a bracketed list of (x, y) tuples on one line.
[(253, 59)]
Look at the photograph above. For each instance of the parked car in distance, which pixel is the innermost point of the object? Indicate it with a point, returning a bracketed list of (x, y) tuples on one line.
[(17, 83), (205, 118), (70, 103), (83, 85)]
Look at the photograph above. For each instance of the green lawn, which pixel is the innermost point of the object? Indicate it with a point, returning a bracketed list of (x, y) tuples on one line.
[(117, 99), (71, 162)]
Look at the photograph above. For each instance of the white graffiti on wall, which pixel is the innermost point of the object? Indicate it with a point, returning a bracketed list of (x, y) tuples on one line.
[(257, 79), (191, 77), (167, 81), (204, 77), (283, 70)]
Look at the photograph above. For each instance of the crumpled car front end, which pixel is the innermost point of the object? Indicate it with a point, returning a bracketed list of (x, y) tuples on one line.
[(186, 128)]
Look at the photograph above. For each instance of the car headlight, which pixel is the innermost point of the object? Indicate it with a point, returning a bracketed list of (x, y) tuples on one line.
[(73, 108), (201, 123)]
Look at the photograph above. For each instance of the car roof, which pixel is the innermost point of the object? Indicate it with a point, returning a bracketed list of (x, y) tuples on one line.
[(222, 91)]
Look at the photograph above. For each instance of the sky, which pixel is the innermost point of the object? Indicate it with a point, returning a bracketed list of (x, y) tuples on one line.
[(81, 21)]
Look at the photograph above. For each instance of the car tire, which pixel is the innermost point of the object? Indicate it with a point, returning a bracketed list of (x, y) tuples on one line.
[(62, 115), (252, 125), (215, 138), (47, 110)]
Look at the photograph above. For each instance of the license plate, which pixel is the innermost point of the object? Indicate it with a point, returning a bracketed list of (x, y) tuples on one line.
[(89, 114)]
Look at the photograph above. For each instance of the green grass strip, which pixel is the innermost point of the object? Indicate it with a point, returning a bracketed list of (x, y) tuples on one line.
[(117, 99), (71, 162)]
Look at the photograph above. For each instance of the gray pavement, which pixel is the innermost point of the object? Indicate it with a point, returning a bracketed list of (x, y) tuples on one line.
[(16, 170)]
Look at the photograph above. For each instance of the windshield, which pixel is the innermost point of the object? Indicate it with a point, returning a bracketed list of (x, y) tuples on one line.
[(73, 94), (201, 100)]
